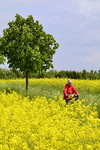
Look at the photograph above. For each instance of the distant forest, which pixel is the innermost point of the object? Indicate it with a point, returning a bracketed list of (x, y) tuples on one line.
[(14, 73)]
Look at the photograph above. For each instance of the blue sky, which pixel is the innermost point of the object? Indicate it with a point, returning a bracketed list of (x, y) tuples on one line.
[(75, 25)]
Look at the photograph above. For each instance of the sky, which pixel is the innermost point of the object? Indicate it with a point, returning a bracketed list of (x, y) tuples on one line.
[(75, 25)]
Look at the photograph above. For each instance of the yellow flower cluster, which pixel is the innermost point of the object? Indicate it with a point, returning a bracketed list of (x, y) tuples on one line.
[(42, 124)]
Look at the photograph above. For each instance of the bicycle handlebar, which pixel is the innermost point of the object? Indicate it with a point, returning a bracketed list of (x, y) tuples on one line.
[(72, 94)]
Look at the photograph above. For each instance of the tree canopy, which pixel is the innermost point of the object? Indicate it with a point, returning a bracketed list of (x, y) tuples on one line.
[(27, 46), (2, 59)]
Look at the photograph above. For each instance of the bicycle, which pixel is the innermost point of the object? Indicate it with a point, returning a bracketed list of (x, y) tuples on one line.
[(71, 97)]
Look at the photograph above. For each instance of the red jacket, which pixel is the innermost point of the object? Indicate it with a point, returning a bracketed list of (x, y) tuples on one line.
[(69, 90)]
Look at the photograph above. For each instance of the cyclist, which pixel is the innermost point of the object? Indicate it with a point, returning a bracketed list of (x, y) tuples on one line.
[(68, 90)]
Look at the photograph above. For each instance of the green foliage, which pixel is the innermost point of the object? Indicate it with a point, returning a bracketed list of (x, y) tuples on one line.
[(15, 73), (2, 59), (2, 74), (10, 74), (71, 74), (27, 46)]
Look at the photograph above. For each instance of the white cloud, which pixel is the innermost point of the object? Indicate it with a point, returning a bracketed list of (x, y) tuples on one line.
[(88, 8), (94, 58), (92, 36), (84, 7), (35, 2)]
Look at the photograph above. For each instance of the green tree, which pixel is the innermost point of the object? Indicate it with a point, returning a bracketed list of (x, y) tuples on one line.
[(17, 73), (2, 74), (84, 74), (27, 46), (96, 75), (2, 59)]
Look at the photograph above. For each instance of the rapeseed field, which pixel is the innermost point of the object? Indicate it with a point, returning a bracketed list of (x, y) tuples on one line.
[(42, 123)]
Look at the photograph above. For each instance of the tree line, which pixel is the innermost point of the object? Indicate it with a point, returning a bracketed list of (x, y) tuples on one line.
[(15, 73)]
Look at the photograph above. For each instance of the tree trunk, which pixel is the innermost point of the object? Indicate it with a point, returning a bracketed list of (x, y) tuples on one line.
[(26, 81)]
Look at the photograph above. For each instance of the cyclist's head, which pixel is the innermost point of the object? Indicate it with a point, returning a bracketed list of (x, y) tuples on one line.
[(69, 82)]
